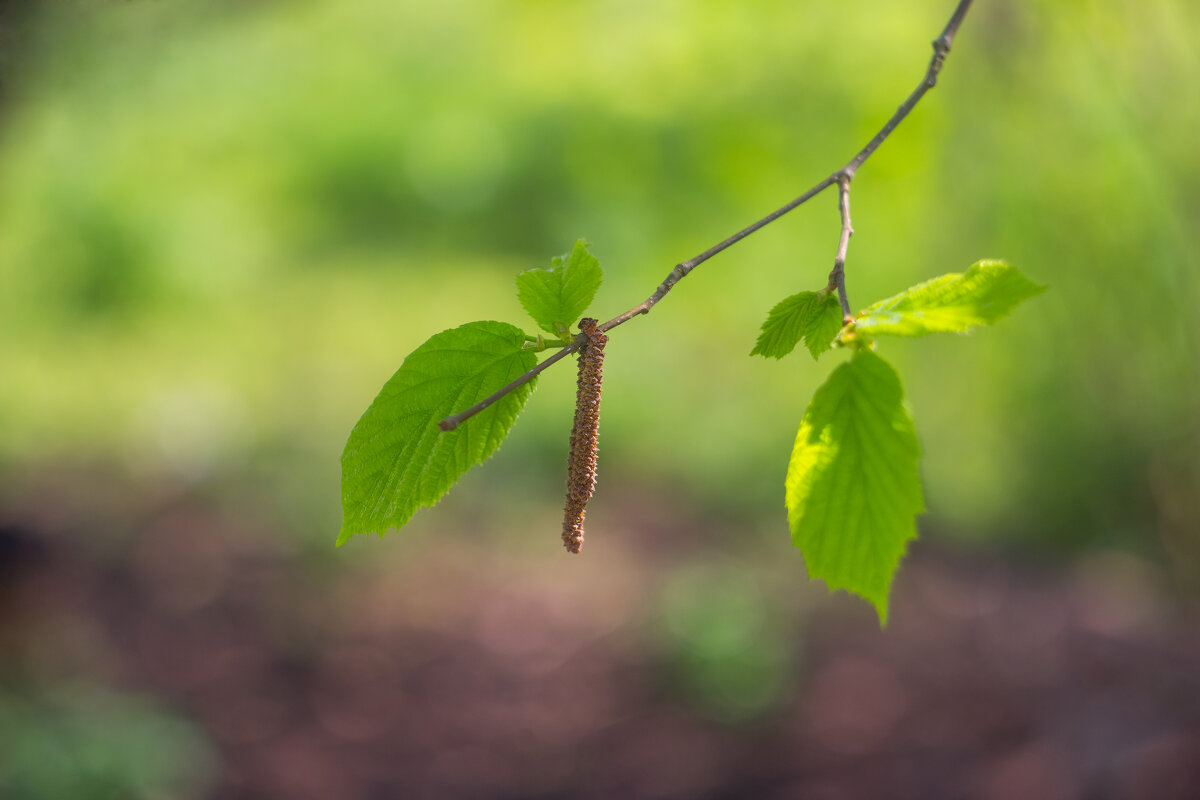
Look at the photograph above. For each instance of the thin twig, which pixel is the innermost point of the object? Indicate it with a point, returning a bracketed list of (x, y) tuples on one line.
[(842, 177), (837, 278), (454, 420), (941, 46), (684, 267)]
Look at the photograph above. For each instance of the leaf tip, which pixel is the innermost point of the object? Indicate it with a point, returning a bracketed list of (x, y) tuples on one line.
[(881, 608), (762, 349)]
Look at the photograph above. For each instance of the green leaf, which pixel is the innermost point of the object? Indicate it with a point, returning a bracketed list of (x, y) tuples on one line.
[(824, 326), (397, 459), (556, 298), (853, 489), (952, 303), (815, 317)]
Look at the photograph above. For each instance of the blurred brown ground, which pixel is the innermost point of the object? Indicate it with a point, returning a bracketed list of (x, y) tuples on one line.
[(465, 674)]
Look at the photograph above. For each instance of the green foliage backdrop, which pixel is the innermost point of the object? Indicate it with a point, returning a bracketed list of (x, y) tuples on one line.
[(221, 228)]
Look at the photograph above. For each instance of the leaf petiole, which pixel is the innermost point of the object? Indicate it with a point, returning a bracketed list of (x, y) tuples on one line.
[(539, 343)]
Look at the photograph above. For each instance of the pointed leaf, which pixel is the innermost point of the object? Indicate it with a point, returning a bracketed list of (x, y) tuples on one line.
[(397, 459), (852, 485), (559, 296), (824, 326), (814, 317), (952, 303)]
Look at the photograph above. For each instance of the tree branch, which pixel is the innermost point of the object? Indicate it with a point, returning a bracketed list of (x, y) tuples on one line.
[(837, 278), (454, 420), (842, 177), (684, 267), (941, 47)]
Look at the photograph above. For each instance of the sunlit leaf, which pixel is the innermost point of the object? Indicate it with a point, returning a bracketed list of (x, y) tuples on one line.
[(952, 303), (853, 489)]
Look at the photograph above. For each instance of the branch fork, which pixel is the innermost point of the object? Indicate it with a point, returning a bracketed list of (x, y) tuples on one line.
[(837, 278)]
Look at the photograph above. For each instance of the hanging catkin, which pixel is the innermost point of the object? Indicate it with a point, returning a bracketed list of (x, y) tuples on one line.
[(581, 464)]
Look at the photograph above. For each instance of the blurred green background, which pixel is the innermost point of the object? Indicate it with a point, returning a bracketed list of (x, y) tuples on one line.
[(223, 225)]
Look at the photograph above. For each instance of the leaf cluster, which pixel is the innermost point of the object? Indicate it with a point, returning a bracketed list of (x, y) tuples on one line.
[(853, 487), (397, 458)]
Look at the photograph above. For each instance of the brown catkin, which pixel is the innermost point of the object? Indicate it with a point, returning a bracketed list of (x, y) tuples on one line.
[(581, 464)]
